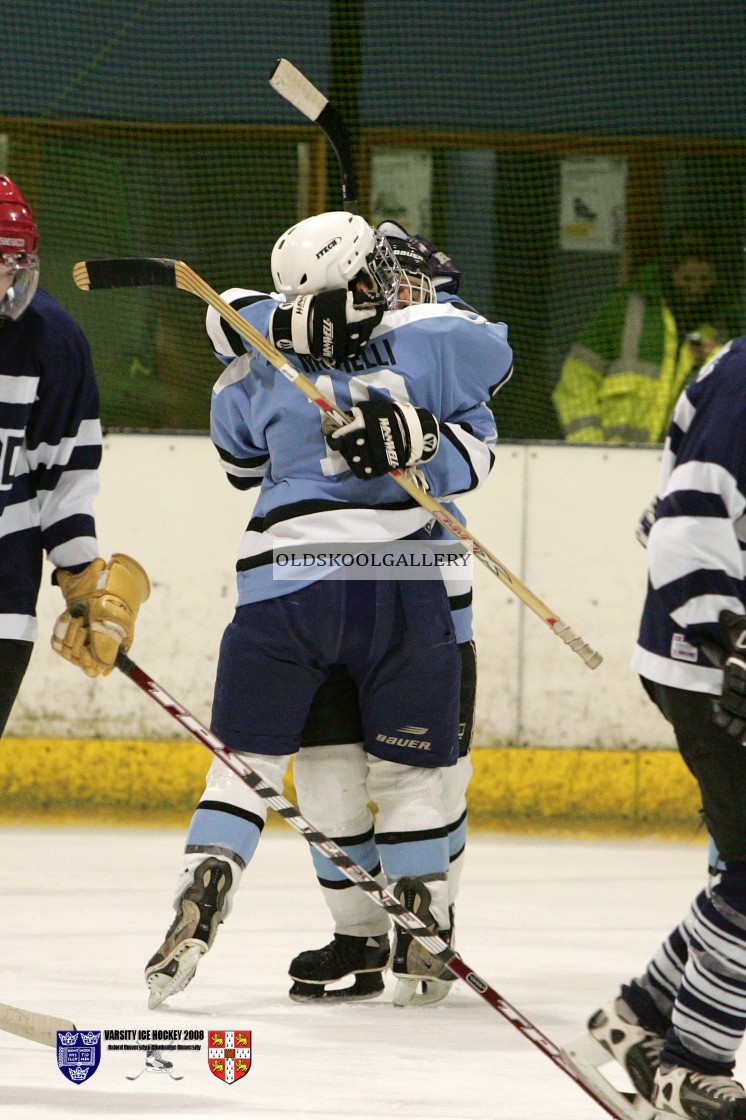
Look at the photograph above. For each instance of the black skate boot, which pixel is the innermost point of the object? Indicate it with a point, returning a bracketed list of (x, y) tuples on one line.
[(200, 911), (412, 965), (364, 958), (697, 1096), (636, 1048)]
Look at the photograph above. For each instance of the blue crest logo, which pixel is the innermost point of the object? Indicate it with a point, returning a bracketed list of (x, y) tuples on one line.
[(78, 1054)]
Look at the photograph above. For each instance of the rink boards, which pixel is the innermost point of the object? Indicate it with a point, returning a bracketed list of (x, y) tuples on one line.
[(555, 743)]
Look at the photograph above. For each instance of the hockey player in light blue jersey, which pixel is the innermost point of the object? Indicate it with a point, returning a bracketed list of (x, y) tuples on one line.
[(414, 379), (332, 743)]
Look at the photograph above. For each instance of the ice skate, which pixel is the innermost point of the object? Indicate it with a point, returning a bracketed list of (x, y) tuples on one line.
[(363, 958), (154, 1060), (412, 964), (614, 1033), (156, 1063), (199, 912), (698, 1096)]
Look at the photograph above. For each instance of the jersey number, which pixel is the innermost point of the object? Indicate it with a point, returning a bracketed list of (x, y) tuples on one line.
[(388, 379), (8, 457)]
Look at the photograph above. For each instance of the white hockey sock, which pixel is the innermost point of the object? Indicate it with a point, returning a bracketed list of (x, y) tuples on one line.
[(331, 785)]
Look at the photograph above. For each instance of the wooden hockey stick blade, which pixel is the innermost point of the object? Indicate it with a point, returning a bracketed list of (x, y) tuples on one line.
[(237, 764), (119, 273), (33, 1025), (125, 272), (294, 86)]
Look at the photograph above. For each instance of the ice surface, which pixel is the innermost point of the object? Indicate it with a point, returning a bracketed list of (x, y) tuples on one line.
[(552, 924)]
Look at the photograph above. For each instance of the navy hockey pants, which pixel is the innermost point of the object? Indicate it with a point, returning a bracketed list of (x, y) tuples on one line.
[(396, 641)]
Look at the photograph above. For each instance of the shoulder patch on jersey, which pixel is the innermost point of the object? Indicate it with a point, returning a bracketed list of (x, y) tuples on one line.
[(235, 371)]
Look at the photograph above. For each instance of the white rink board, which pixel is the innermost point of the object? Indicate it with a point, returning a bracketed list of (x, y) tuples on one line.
[(559, 517)]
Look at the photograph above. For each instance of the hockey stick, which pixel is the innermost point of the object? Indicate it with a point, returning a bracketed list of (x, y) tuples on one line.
[(136, 271), (357, 875), (295, 87), (33, 1025)]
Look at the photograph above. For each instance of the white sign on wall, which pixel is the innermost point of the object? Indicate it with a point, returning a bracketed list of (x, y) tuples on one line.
[(593, 204), (401, 187)]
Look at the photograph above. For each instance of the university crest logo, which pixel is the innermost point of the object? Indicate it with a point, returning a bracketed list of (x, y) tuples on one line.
[(229, 1054), (78, 1054)]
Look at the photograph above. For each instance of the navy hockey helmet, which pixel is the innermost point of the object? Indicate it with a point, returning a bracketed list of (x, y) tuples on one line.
[(417, 283)]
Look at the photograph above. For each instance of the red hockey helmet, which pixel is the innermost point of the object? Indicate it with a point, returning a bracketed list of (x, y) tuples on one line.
[(19, 247), (18, 232)]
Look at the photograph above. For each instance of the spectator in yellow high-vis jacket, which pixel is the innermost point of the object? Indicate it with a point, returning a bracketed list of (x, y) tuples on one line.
[(621, 379)]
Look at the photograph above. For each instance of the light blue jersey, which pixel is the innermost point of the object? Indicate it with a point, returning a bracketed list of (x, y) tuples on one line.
[(443, 357)]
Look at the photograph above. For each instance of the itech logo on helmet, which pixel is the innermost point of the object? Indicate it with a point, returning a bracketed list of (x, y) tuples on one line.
[(330, 245)]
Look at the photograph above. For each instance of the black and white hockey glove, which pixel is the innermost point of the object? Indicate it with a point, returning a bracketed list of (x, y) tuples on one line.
[(446, 276), (645, 524), (730, 709), (383, 436), (332, 326)]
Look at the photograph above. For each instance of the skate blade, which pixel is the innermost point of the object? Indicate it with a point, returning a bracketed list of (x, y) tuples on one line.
[(187, 958), (366, 986), (406, 992), (587, 1055), (433, 991)]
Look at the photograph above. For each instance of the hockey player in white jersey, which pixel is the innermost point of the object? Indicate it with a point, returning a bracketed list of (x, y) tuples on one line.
[(677, 1028), (414, 381)]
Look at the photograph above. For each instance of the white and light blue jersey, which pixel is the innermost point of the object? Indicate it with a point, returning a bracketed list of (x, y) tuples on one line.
[(443, 357), (697, 542)]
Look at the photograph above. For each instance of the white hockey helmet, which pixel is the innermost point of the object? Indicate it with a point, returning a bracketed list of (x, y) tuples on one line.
[(331, 251)]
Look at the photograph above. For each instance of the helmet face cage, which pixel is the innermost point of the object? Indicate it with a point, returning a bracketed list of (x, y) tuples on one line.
[(384, 269), (416, 285), (24, 268)]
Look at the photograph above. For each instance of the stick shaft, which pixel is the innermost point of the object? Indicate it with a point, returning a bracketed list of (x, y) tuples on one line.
[(358, 875), (120, 273), (294, 86)]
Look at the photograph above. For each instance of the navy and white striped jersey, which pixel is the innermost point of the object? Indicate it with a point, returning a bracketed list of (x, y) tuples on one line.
[(442, 357), (697, 543), (50, 449)]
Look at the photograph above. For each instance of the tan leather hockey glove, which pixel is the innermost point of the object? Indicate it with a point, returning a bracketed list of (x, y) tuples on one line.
[(102, 605)]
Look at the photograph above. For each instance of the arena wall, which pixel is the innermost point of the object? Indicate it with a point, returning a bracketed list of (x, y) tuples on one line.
[(556, 745)]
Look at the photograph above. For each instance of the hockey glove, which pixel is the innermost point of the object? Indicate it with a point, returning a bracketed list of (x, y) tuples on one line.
[(645, 524), (730, 709), (446, 276), (332, 326), (102, 605), (383, 436)]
